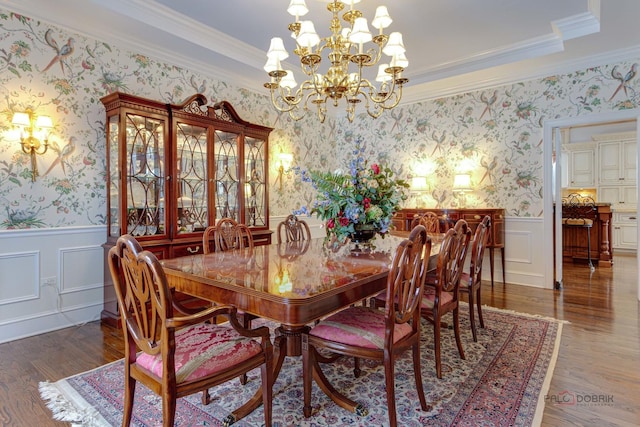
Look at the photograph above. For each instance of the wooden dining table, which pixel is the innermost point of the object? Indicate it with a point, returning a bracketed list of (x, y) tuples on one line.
[(293, 284)]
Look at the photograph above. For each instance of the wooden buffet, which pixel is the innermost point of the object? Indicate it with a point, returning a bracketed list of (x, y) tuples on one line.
[(402, 221)]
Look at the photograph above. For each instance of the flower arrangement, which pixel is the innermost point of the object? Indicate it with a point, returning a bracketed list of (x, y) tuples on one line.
[(365, 197)]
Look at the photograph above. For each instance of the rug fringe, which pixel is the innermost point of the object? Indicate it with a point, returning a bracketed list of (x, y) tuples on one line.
[(63, 409)]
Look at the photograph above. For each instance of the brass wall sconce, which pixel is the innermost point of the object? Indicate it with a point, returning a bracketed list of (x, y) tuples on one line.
[(286, 159), (462, 185), (30, 126)]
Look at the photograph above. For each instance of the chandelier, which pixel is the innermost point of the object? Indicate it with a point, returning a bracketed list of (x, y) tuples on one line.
[(344, 49)]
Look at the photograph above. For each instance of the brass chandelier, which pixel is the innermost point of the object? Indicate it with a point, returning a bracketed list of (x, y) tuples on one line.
[(344, 48)]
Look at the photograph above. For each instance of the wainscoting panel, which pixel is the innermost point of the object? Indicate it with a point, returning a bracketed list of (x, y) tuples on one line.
[(49, 279), (19, 280)]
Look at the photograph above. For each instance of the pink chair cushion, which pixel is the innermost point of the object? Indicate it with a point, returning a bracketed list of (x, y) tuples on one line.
[(429, 296), (359, 326), (202, 350)]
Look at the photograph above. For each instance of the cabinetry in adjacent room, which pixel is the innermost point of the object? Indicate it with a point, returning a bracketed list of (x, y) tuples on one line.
[(173, 170), (617, 162), (625, 231), (579, 162)]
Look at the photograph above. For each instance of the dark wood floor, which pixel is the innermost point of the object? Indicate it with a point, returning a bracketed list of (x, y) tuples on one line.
[(598, 363)]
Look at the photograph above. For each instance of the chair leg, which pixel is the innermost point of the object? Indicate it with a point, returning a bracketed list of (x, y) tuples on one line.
[(267, 391), (307, 372), (356, 367), (436, 343), (391, 390), (168, 409), (129, 394), (479, 305), (206, 397), (456, 328), (246, 323), (417, 372), (472, 315)]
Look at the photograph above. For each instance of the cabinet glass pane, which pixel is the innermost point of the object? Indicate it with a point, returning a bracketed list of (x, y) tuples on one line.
[(226, 155), (114, 176), (192, 178), (145, 175), (255, 200)]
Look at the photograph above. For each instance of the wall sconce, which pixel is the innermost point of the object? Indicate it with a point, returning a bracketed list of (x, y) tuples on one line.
[(286, 159), (462, 185), (419, 187), (31, 145)]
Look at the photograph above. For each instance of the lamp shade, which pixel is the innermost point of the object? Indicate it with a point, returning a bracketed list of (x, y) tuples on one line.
[(395, 45), (419, 183), (21, 119), (44, 122), (383, 76), (308, 36), (297, 8), (462, 182), (360, 32), (277, 50), (286, 159), (382, 18)]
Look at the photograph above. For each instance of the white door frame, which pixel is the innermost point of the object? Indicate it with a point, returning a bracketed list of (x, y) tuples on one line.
[(548, 200)]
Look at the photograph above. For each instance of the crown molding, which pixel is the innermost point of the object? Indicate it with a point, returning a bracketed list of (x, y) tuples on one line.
[(492, 78)]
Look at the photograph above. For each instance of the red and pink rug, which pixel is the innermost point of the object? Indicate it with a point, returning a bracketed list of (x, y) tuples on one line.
[(502, 382)]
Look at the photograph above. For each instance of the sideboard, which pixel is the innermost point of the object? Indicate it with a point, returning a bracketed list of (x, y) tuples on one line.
[(473, 216)]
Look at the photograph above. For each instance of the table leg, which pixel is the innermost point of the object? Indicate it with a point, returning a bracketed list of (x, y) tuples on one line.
[(288, 342), (327, 388)]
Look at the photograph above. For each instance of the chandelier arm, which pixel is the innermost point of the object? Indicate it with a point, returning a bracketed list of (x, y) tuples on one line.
[(280, 103)]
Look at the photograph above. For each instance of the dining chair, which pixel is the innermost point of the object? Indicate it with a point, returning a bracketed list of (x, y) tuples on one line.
[(441, 290), (471, 282), (430, 220), (365, 332), (173, 350), (294, 230), (227, 234)]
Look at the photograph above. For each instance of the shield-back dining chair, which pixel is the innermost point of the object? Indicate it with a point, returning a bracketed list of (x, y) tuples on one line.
[(293, 229), (170, 349), (441, 288), (470, 283), (382, 335)]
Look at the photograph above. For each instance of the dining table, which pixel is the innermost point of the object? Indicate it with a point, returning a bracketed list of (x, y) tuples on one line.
[(292, 284)]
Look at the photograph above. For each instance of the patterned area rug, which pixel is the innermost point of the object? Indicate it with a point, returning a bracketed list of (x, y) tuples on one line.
[(502, 382)]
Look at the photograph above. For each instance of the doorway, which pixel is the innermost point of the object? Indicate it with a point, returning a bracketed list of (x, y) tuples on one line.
[(552, 187)]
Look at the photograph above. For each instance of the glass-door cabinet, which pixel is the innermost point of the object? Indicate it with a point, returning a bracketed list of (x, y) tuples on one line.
[(173, 170)]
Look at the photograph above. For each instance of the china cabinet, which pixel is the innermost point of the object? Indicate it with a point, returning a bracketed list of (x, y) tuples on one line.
[(173, 170)]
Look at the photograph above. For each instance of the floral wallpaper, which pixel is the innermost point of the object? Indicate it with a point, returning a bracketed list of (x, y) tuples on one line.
[(495, 135)]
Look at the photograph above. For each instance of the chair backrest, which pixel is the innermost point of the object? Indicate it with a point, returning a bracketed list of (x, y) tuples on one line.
[(480, 239), (294, 230), (144, 298), (429, 220), (452, 255), (407, 275), (227, 235)]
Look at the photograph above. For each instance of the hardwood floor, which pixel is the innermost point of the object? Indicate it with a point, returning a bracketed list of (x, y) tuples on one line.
[(598, 362)]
